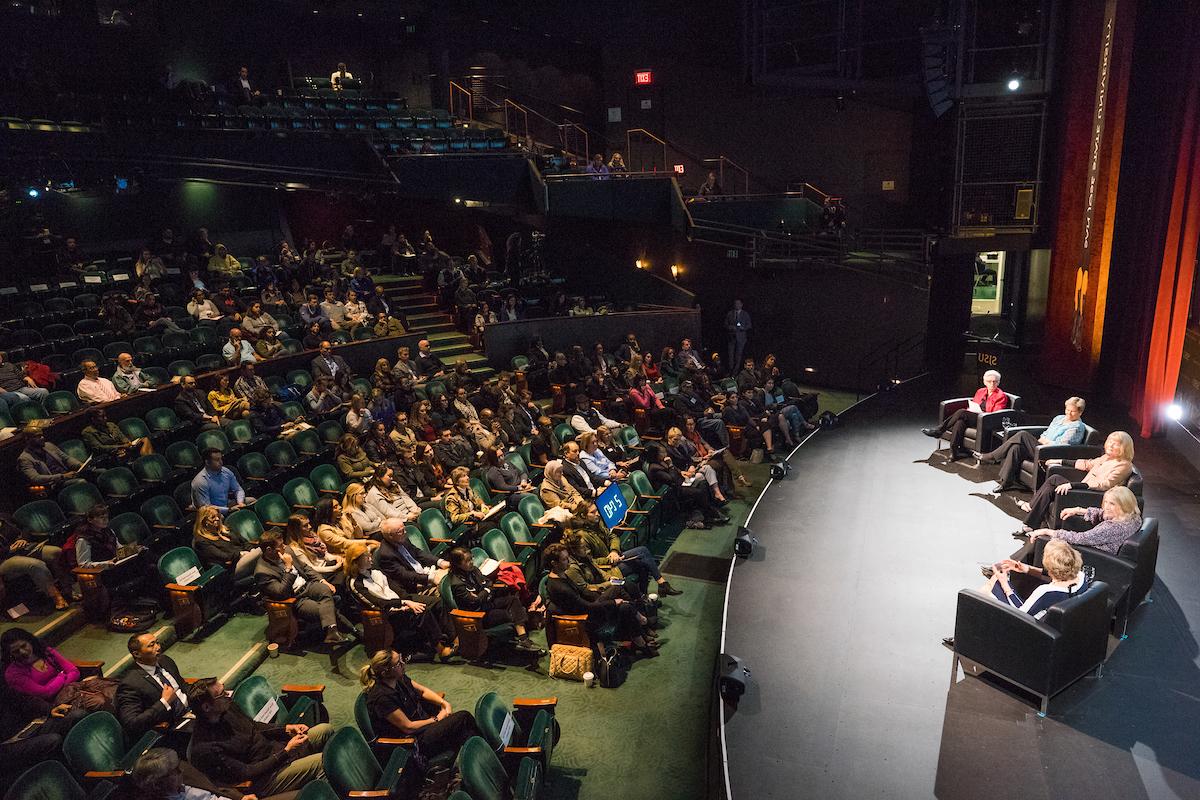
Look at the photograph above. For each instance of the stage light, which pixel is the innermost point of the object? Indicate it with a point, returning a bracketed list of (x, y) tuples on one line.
[(743, 543), (675, 270), (780, 471), (734, 675), (1175, 412), (642, 264), (33, 193), (458, 201), (810, 369), (1014, 83), (122, 184)]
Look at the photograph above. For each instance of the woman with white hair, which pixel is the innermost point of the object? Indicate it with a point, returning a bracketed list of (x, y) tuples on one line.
[(1110, 469), (1117, 518), (987, 399), (1066, 428)]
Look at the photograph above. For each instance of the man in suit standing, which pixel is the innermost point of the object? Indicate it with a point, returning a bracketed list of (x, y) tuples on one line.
[(152, 690), (242, 88), (334, 367), (279, 575), (737, 324)]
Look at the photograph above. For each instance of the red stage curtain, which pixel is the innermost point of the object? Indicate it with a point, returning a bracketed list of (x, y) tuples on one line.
[(1176, 270)]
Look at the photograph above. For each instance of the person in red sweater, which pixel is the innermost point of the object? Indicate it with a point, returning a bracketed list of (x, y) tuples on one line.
[(989, 398)]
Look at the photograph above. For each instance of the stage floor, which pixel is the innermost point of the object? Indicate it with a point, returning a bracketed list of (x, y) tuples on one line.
[(840, 612)]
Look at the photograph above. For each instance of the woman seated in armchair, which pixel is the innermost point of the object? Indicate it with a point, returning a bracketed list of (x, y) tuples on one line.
[(1038, 588), (1102, 473), (1117, 518)]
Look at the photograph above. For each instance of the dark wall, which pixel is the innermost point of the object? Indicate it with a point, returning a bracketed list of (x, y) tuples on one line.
[(826, 318), (236, 216), (655, 330)]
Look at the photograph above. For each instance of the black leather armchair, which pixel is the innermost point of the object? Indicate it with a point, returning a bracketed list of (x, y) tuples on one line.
[(1043, 656), (981, 435), (1032, 471), (1129, 574), (1087, 497)]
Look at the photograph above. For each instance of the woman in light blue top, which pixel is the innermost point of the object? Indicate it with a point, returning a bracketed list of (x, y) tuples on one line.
[(1066, 428)]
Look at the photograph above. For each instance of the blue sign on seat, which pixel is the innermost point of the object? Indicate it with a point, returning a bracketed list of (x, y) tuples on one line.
[(612, 507)]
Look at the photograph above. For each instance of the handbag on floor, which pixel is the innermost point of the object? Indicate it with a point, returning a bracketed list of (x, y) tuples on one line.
[(611, 666), (570, 662)]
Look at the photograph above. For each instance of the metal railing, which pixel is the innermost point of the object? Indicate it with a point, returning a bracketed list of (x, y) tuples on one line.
[(721, 161), (642, 133), (462, 92), (887, 357), (511, 110)]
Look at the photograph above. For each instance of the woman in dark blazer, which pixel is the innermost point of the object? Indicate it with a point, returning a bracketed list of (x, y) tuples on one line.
[(473, 592)]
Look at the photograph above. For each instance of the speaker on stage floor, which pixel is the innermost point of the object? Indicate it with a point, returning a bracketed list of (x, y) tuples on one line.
[(732, 677)]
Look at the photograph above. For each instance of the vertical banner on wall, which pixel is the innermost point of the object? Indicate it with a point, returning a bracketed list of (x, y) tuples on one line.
[(1093, 176), (1092, 122)]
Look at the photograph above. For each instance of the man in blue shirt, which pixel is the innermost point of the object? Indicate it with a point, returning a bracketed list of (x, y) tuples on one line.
[(1067, 428), (216, 485)]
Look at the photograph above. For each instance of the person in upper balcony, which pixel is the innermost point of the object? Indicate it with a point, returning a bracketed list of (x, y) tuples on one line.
[(340, 74), (987, 399)]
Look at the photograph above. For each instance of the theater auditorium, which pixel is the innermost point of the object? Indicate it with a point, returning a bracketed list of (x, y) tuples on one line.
[(677, 401)]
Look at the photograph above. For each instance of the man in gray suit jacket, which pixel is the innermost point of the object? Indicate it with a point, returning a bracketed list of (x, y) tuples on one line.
[(281, 576)]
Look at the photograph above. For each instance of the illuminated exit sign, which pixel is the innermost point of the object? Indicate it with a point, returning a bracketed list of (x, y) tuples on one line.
[(643, 77)]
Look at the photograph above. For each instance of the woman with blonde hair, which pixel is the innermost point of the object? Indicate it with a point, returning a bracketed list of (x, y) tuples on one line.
[(1059, 577), (689, 461), (400, 707), (214, 543), (1112, 468), (355, 507), (1117, 518), (371, 589), (555, 491)]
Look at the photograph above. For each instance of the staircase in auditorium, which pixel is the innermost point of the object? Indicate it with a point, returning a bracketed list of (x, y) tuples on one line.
[(420, 308)]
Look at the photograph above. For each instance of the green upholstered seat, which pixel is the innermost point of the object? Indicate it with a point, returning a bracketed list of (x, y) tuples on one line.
[(484, 778), (350, 766), (97, 744)]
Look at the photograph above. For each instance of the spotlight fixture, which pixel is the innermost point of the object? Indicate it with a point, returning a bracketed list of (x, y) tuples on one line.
[(458, 201), (780, 470), (1014, 82), (733, 676), (642, 264), (743, 543), (1175, 412), (675, 271), (810, 369), (33, 193)]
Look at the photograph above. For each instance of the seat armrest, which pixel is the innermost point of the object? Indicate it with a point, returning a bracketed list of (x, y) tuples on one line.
[(89, 668), (948, 407), (406, 741), (300, 688), (182, 587), (522, 751), (99, 774), (548, 703), (1036, 430), (1004, 640), (1070, 473), (1067, 452), (525, 544), (477, 615), (571, 617)]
